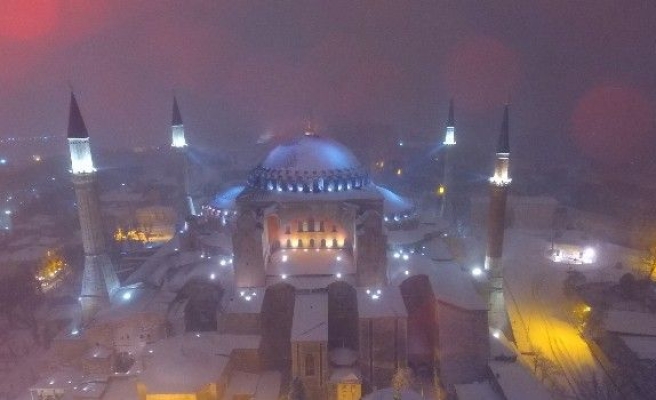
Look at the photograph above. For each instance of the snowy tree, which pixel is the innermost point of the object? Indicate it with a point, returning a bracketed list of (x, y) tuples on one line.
[(401, 380), (648, 263)]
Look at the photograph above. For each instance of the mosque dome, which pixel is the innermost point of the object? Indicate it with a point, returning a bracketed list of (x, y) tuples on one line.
[(309, 164)]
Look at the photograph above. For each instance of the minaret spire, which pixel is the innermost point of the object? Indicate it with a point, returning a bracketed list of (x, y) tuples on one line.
[(451, 121), (503, 145), (77, 129), (99, 280), (179, 143), (177, 127), (450, 132), (449, 142), (499, 184), (176, 119)]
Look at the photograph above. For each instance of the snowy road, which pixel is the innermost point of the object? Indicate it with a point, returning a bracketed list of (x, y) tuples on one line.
[(544, 327)]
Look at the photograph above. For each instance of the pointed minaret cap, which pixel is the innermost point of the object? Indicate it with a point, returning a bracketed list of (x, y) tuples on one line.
[(76, 127), (451, 121), (176, 119), (503, 147)]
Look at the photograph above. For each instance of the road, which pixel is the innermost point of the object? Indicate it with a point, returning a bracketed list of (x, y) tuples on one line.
[(543, 324)]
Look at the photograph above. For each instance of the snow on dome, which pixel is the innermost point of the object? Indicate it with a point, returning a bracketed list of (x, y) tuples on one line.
[(311, 152), (309, 164)]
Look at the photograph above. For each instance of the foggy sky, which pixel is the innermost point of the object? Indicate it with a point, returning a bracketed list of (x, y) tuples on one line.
[(580, 75)]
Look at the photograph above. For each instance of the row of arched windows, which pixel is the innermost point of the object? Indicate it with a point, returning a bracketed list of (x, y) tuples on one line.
[(312, 243), (309, 225), (311, 185)]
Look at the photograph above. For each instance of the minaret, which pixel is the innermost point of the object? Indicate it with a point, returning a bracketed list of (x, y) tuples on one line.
[(499, 184), (449, 142), (99, 280), (179, 144)]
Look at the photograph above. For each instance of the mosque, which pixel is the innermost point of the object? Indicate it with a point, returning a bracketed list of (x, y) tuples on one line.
[(308, 274)]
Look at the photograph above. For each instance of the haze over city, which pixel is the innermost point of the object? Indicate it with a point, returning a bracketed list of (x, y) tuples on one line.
[(579, 74), (332, 200)]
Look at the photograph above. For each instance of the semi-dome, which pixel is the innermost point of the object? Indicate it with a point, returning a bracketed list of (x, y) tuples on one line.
[(224, 204), (225, 200), (309, 164), (396, 208)]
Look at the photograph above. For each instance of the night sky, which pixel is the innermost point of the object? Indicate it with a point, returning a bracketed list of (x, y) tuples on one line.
[(580, 75)]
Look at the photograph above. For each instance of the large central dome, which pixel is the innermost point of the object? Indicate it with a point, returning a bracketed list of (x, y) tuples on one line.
[(310, 163), (310, 153)]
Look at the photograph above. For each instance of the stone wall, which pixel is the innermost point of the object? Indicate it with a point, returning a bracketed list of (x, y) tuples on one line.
[(463, 345), (383, 349), (315, 375)]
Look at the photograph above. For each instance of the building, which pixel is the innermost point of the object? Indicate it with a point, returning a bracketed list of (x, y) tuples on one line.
[(291, 274)]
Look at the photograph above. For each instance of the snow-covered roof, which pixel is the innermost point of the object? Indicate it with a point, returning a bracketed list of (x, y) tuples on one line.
[(241, 383), (516, 382), (133, 300), (89, 390), (343, 356), (477, 391), (344, 374), (644, 347), (449, 283), (631, 322), (388, 394), (310, 262), (98, 351), (244, 301), (304, 282), (405, 237), (381, 302), (310, 323), (186, 363)]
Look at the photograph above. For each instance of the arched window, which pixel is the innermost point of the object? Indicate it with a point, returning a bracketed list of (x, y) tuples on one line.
[(323, 243), (289, 243), (334, 242), (300, 242), (311, 243)]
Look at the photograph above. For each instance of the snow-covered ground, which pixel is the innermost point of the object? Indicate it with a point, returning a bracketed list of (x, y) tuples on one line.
[(543, 325)]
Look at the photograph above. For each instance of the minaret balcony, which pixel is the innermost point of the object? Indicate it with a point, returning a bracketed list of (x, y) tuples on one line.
[(500, 181)]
